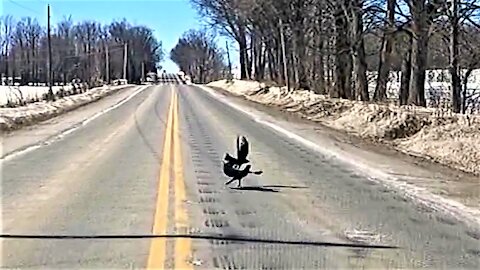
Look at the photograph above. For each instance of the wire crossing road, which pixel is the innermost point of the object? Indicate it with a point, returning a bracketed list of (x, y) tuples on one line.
[(142, 187)]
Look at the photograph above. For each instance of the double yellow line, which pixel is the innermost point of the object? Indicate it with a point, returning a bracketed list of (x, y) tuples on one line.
[(171, 150)]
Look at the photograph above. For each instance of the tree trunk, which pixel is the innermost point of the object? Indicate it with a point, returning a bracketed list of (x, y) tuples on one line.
[(295, 66), (300, 52), (34, 77), (465, 88), (454, 68), (319, 44), (417, 80), (320, 68), (14, 67), (419, 54), (359, 62), (253, 55), (6, 61), (244, 70), (343, 65), (259, 61), (272, 69), (385, 55), (360, 68), (406, 73)]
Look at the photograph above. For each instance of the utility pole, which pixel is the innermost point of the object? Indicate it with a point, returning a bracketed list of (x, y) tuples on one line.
[(143, 71), (49, 40), (125, 55), (284, 56), (107, 65), (230, 75)]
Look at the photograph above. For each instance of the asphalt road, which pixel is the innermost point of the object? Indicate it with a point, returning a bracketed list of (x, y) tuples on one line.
[(97, 197)]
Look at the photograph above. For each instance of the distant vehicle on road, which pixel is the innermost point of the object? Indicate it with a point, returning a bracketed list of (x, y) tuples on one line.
[(152, 77)]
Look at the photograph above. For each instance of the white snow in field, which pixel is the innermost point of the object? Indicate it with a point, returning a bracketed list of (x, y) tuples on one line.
[(26, 93), (10, 118), (437, 86)]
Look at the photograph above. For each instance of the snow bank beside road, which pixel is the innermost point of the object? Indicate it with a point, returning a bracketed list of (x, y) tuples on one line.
[(14, 118), (450, 139), (17, 94)]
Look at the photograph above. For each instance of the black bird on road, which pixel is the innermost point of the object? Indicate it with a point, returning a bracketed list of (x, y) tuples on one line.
[(232, 165)]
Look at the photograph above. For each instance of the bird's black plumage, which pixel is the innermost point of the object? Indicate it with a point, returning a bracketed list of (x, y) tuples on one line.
[(242, 150), (232, 165)]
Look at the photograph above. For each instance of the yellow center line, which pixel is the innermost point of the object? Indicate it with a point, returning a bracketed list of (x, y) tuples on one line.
[(156, 258), (182, 245)]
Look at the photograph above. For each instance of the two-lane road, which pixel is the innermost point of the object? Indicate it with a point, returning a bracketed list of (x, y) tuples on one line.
[(116, 192)]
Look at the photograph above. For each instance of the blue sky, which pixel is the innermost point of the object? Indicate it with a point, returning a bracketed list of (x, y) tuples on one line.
[(168, 18)]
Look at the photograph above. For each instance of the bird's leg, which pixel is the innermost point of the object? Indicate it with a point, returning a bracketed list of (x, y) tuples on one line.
[(239, 183), (231, 180)]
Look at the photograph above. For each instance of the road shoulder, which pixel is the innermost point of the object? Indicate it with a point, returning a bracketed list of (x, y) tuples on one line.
[(20, 139)]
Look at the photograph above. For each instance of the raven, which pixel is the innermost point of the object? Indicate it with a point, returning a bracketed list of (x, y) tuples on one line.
[(242, 153), (232, 165)]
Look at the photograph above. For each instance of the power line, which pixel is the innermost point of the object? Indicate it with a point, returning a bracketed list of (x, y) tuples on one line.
[(25, 7)]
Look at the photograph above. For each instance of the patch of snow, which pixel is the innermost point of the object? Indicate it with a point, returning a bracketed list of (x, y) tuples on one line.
[(12, 118), (15, 94)]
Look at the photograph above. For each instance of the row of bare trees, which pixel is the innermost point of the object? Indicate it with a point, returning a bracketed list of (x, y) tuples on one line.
[(198, 54), (330, 45), (79, 50)]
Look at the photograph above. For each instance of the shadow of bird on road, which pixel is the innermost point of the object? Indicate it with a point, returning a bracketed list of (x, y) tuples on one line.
[(256, 188), (284, 186)]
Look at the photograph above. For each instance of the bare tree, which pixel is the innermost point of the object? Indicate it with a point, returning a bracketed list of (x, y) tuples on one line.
[(78, 50), (458, 11), (229, 16), (197, 54), (6, 28), (331, 45), (388, 39)]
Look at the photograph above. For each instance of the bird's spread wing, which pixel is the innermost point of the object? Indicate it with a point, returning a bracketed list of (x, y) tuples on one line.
[(242, 148), (229, 158)]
